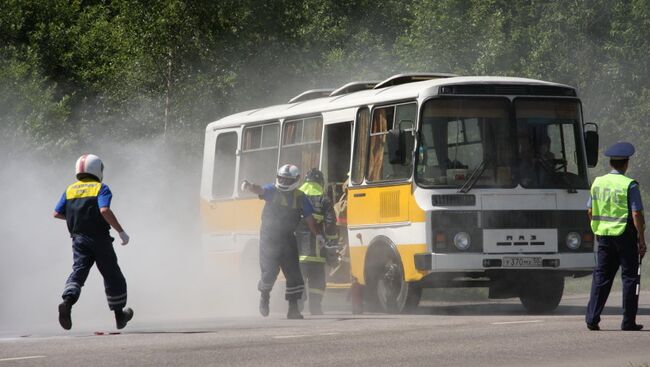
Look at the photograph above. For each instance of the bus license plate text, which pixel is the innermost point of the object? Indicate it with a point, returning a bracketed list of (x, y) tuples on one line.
[(522, 262)]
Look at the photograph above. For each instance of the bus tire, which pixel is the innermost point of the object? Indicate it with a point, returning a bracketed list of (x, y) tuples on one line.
[(386, 289), (541, 294)]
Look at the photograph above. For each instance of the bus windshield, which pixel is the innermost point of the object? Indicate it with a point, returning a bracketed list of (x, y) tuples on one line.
[(463, 136), (549, 144)]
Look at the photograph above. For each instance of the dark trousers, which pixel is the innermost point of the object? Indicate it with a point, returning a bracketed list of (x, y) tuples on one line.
[(314, 275), (615, 251), (87, 251), (279, 251)]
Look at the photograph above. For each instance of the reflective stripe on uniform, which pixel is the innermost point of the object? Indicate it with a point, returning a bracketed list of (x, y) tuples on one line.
[(609, 219), (294, 290), (116, 300), (316, 291), (123, 295), (312, 259), (71, 286)]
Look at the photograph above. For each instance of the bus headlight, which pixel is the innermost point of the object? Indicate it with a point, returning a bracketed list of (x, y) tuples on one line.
[(573, 240), (462, 241)]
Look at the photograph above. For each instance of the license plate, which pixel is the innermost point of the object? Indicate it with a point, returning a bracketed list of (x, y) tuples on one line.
[(522, 262)]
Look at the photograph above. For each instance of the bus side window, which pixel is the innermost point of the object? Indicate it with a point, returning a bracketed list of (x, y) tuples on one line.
[(224, 165), (385, 119), (360, 146), (259, 157), (301, 143)]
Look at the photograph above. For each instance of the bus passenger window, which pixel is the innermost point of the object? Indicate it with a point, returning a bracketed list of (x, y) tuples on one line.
[(258, 162), (224, 165), (384, 119), (301, 143)]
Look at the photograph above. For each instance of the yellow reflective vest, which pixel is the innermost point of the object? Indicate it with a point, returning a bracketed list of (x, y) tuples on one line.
[(609, 204)]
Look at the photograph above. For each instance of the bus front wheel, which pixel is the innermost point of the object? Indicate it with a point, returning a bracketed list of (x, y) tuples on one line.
[(392, 293), (542, 294)]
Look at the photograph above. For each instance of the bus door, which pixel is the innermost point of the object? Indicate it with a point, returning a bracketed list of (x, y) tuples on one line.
[(337, 147)]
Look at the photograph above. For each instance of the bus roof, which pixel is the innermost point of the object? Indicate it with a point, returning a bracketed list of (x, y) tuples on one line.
[(364, 97)]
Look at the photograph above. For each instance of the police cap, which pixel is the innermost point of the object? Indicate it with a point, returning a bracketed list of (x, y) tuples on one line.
[(619, 151)]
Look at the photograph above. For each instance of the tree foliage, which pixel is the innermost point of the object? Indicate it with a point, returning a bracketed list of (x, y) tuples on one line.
[(73, 71)]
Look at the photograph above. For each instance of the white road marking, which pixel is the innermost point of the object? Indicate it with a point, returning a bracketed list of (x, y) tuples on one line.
[(516, 322), (288, 336), (301, 335), (20, 358)]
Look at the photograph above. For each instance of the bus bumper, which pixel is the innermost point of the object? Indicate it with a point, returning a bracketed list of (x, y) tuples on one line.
[(466, 262)]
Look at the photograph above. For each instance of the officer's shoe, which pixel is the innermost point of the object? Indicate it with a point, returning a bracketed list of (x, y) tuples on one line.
[(294, 313), (634, 327), (264, 304), (593, 327), (65, 318), (122, 317)]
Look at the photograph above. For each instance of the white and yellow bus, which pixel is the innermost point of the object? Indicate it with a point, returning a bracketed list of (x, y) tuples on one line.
[(453, 182)]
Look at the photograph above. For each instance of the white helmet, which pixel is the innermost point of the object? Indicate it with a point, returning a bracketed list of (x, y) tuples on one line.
[(89, 165), (287, 178)]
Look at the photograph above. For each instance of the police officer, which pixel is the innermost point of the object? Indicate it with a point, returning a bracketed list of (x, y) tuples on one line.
[(616, 215), (284, 206), (85, 206), (312, 248)]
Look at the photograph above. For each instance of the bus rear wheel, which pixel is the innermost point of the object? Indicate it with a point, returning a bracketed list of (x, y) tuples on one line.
[(541, 293)]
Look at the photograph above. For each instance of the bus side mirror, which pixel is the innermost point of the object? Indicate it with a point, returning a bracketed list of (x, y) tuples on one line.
[(400, 142), (591, 145), (396, 144)]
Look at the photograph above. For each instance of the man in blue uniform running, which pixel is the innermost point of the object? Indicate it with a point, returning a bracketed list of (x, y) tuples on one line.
[(616, 213), (85, 206)]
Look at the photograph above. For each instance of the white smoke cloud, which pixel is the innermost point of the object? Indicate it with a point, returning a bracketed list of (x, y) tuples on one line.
[(155, 187)]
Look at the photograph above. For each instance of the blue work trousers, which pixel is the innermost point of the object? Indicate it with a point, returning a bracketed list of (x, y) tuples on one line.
[(87, 251), (280, 251), (615, 251)]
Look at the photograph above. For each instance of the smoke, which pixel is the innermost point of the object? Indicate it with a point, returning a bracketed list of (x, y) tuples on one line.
[(155, 185)]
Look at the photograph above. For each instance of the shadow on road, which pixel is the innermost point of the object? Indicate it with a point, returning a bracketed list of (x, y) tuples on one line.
[(489, 309)]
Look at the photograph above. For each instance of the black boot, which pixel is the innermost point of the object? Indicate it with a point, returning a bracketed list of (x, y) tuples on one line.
[(65, 318), (633, 327), (122, 317), (294, 313), (264, 303)]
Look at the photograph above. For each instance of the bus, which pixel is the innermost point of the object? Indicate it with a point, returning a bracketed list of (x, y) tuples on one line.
[(449, 182)]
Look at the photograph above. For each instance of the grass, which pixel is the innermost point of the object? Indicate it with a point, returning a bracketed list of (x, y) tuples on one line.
[(583, 285)]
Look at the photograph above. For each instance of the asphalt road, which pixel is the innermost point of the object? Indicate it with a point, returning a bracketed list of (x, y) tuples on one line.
[(441, 334)]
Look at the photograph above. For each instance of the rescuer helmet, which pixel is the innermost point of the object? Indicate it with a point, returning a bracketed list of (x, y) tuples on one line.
[(314, 175), (287, 178), (89, 165)]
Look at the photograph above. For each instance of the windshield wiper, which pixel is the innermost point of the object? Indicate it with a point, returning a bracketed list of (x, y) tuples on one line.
[(474, 176)]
